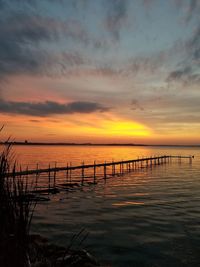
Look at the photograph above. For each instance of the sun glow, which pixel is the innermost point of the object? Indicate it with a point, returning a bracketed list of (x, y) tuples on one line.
[(112, 127), (126, 128)]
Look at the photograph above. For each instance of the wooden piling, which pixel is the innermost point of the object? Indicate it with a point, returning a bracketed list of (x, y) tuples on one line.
[(67, 173), (70, 172), (105, 170), (82, 171), (94, 172), (54, 176), (113, 168), (49, 177), (36, 177)]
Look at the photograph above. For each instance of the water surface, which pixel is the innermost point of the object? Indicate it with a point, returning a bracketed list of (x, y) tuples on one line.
[(147, 218)]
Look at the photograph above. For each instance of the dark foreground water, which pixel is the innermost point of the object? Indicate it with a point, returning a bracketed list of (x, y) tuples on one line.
[(147, 218)]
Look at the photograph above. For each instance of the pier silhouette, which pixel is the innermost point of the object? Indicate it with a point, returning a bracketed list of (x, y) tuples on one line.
[(55, 178)]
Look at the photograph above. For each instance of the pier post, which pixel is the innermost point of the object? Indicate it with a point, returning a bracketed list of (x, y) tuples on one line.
[(67, 173), (70, 172), (49, 176), (114, 169), (20, 168), (36, 180), (54, 177), (129, 166), (94, 172), (27, 176), (105, 170), (82, 180)]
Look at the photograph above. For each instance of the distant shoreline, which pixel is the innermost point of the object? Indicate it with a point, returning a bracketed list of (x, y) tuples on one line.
[(89, 144)]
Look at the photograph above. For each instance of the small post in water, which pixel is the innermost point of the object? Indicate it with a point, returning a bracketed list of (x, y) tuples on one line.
[(105, 170), (82, 173), (94, 172), (54, 177), (49, 177)]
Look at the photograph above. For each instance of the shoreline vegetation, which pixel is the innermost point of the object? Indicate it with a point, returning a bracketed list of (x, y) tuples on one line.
[(16, 211), (26, 143), (18, 247)]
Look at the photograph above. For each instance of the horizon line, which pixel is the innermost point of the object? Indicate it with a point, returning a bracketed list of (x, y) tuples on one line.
[(26, 143)]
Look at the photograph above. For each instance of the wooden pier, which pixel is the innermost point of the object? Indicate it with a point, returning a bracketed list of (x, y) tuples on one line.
[(52, 178)]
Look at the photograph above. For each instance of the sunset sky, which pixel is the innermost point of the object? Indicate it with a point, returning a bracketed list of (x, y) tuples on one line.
[(119, 71)]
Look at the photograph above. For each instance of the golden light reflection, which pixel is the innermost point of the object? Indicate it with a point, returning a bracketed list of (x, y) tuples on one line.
[(128, 203)]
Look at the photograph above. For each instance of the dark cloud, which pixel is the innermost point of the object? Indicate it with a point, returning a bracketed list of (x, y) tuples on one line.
[(116, 16), (186, 76), (25, 28), (23, 37), (193, 7), (135, 105), (188, 71), (151, 63), (193, 45), (42, 109), (179, 74), (17, 34)]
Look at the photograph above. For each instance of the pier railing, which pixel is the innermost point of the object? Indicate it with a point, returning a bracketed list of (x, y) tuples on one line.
[(51, 178)]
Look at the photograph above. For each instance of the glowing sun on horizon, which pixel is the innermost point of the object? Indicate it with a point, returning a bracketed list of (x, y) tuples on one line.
[(114, 127)]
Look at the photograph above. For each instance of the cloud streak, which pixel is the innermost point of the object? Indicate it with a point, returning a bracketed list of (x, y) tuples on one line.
[(23, 39), (116, 17), (46, 108), (187, 71)]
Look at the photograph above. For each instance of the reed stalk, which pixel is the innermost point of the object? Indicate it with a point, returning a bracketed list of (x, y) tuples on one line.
[(16, 211)]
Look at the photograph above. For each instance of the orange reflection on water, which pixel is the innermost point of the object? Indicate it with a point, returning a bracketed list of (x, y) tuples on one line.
[(128, 203), (77, 154)]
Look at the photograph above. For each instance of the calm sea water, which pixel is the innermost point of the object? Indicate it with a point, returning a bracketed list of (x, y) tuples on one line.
[(147, 218)]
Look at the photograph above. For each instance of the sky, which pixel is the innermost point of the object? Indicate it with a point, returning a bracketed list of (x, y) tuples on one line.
[(100, 71)]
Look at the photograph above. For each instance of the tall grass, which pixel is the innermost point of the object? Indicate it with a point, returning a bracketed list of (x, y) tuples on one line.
[(16, 210)]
